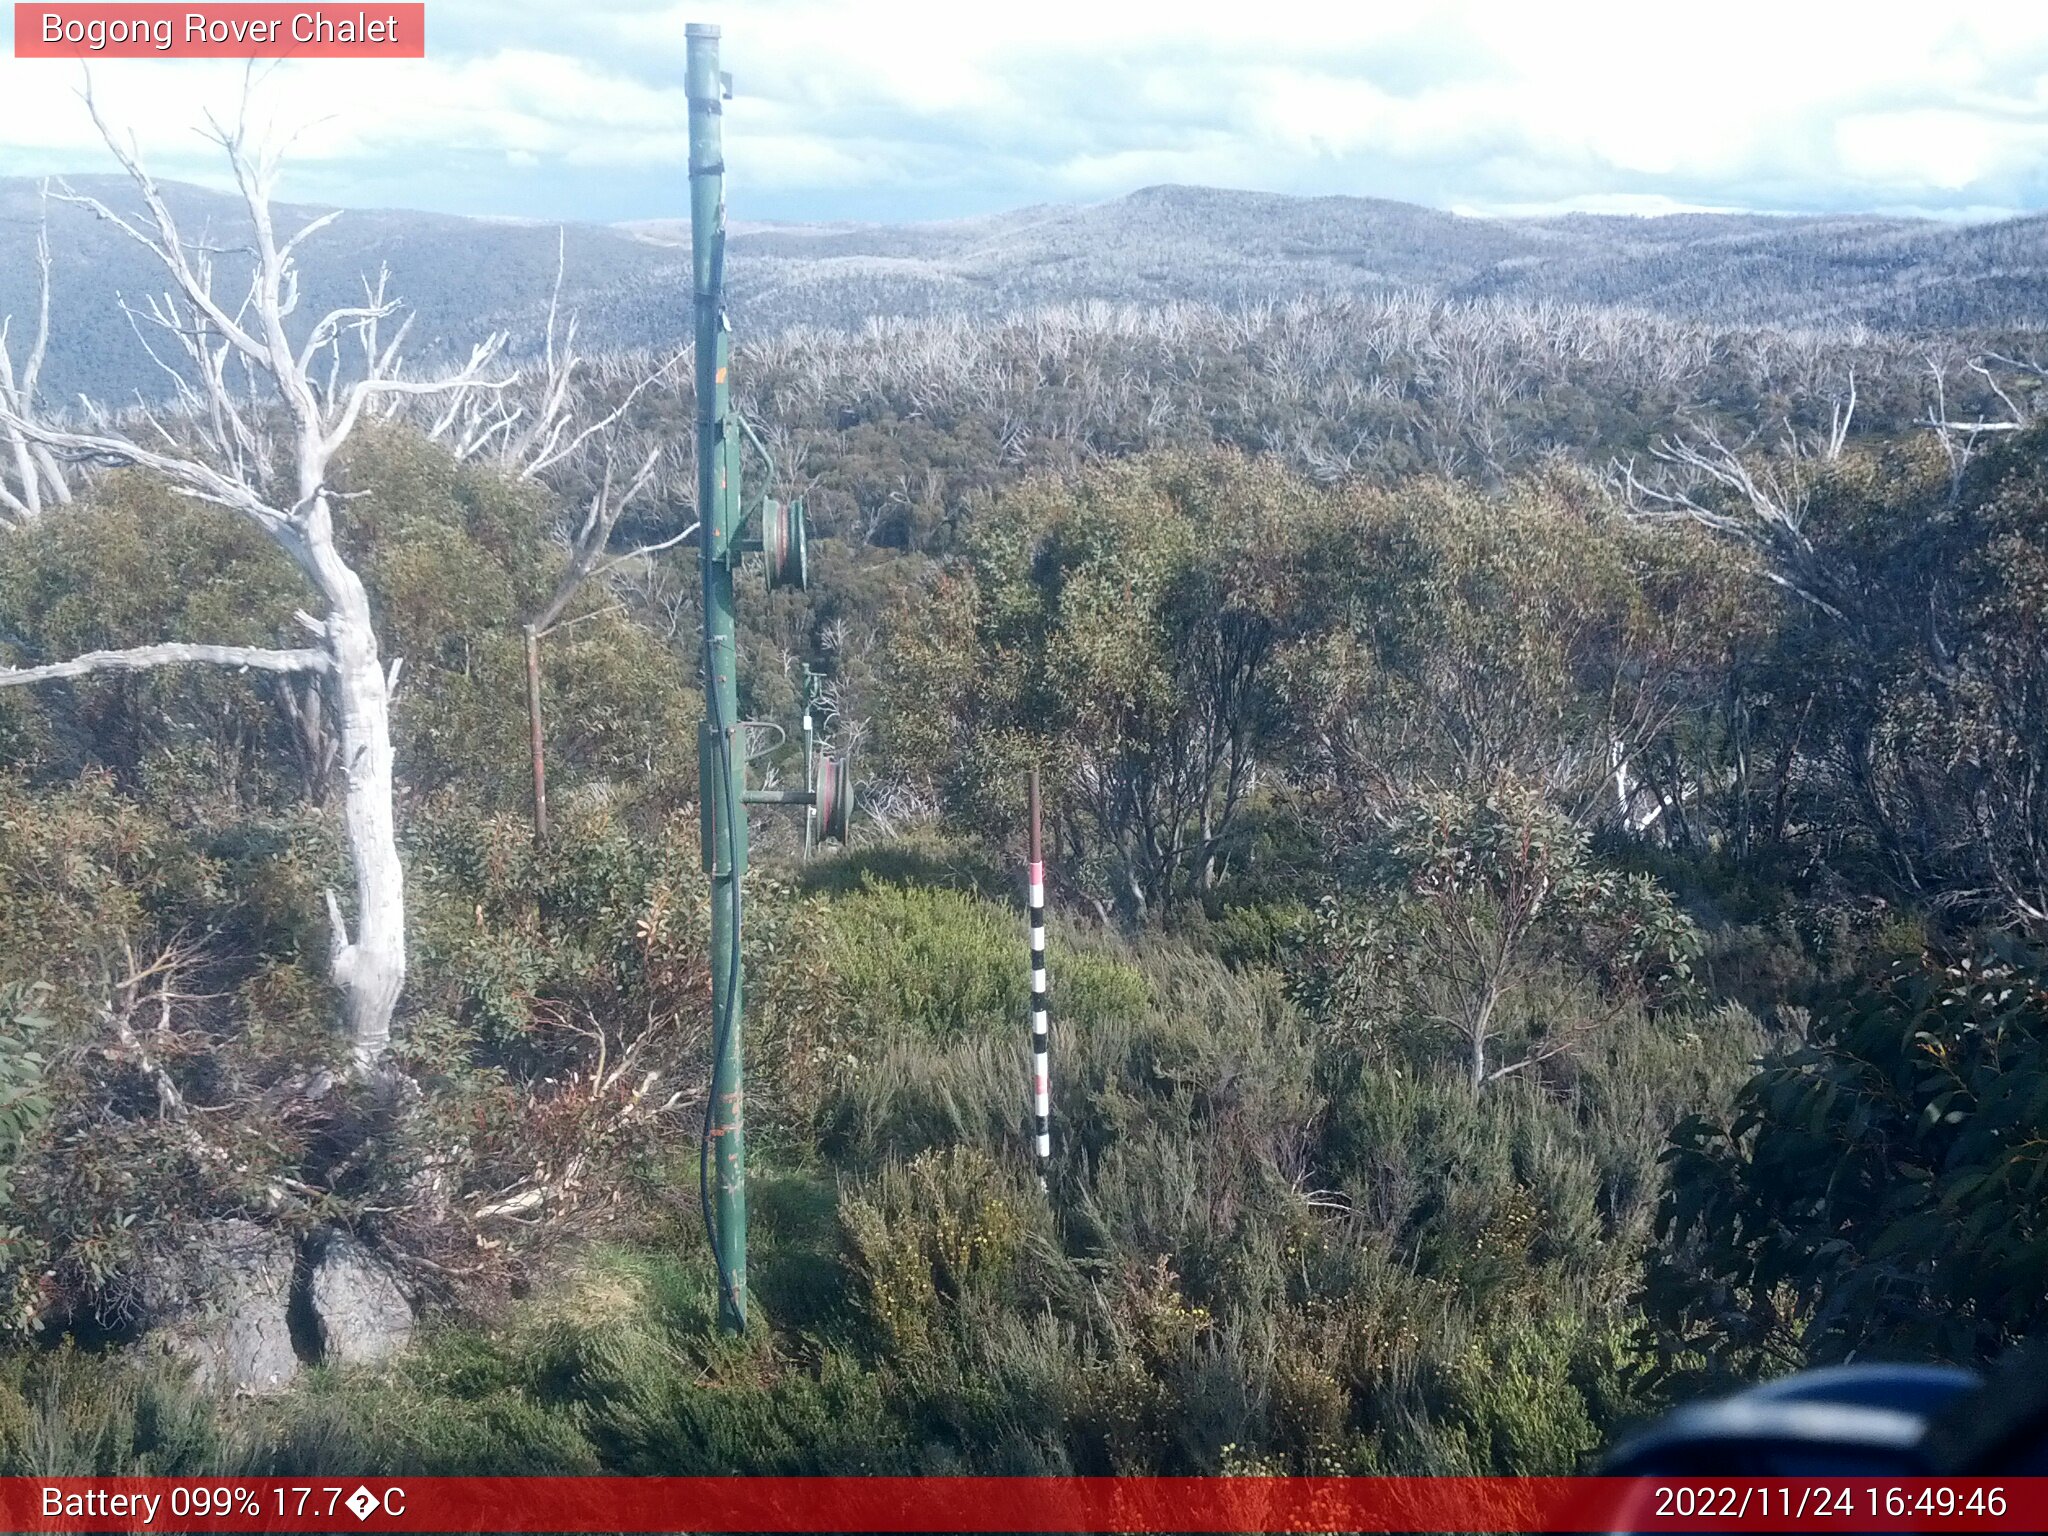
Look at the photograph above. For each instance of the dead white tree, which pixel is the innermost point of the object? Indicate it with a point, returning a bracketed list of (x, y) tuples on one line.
[(549, 432), (35, 469), (589, 558), (1756, 500), (550, 435), (1960, 439), (258, 421), (1841, 416)]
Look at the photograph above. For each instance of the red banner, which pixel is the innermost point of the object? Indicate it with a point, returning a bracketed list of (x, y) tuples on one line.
[(1018, 1504), (216, 31)]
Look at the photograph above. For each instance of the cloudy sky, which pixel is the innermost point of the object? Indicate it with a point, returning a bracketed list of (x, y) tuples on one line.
[(913, 109)]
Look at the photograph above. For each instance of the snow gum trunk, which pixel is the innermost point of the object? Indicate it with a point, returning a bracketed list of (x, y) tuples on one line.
[(370, 968)]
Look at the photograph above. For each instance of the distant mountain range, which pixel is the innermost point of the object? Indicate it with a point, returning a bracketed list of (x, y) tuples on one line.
[(630, 283)]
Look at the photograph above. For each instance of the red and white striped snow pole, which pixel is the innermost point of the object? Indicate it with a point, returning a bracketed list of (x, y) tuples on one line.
[(1041, 1031)]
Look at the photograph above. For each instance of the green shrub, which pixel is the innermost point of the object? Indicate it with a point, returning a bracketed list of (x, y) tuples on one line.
[(947, 1230), (67, 1413), (1879, 1186)]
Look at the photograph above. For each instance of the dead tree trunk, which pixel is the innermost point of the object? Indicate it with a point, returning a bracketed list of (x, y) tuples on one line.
[(537, 736), (223, 446), (370, 968), (549, 439), (36, 471)]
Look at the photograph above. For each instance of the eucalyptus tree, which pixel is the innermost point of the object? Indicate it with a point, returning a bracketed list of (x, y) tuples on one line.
[(1131, 628)]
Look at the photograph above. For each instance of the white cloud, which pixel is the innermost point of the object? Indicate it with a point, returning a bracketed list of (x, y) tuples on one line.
[(1943, 148), (946, 106)]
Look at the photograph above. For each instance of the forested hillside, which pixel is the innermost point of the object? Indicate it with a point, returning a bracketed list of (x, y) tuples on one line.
[(1160, 246), (1548, 859)]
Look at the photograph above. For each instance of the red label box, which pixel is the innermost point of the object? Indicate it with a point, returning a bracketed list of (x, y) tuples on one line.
[(216, 31), (386, 1506)]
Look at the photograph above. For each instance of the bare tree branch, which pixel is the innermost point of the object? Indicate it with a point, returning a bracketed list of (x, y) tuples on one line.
[(190, 476), (1769, 500), (143, 657)]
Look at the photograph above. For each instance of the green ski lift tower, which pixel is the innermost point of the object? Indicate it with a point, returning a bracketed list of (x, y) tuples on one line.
[(730, 530)]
